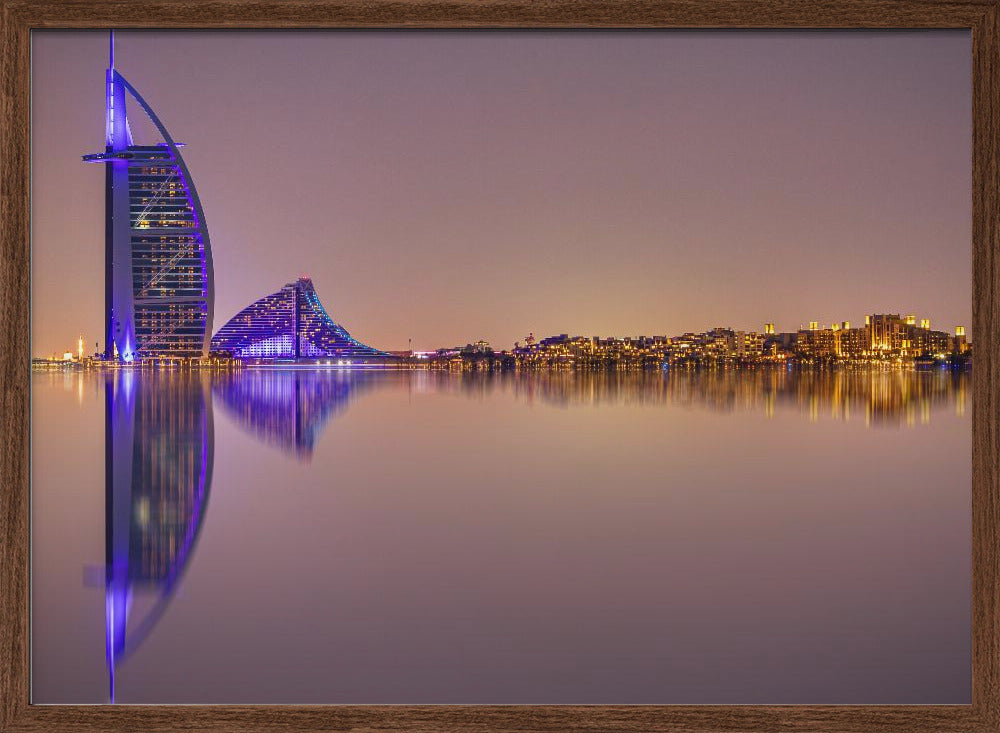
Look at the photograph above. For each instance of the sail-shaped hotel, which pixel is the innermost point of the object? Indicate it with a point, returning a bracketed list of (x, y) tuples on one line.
[(159, 289)]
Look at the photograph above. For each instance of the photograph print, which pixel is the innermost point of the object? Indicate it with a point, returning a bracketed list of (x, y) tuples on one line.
[(501, 367)]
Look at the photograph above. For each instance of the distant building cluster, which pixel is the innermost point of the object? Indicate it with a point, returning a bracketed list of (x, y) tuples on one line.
[(884, 338)]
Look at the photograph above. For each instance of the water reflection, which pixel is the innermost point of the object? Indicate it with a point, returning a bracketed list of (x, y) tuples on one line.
[(882, 398), (288, 409), (159, 440), (158, 471)]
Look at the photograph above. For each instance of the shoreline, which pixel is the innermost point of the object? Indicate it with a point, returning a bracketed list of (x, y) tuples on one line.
[(39, 365)]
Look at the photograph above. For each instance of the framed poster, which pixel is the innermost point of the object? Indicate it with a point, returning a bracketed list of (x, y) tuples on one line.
[(632, 373)]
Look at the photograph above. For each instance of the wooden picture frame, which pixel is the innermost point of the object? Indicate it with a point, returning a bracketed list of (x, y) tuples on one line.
[(19, 17)]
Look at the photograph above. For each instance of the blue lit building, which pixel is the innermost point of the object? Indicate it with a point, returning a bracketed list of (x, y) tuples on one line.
[(290, 324), (159, 283)]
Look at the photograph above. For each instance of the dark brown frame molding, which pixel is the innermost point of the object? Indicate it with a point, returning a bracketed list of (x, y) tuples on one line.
[(19, 17)]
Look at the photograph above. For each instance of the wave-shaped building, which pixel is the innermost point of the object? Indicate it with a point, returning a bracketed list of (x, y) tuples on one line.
[(290, 324), (159, 283)]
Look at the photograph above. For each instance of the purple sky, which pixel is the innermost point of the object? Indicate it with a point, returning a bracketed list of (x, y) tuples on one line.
[(450, 186)]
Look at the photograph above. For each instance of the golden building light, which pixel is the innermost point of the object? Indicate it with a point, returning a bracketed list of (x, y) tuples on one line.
[(769, 328), (911, 320), (79, 348), (845, 325), (813, 325), (925, 323), (959, 330)]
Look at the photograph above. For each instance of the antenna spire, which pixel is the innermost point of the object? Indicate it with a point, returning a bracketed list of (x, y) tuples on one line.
[(111, 49)]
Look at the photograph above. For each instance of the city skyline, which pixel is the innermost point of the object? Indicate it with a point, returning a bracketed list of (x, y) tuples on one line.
[(259, 331), (503, 246)]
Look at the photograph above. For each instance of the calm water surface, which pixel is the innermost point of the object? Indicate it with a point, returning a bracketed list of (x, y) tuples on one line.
[(424, 537)]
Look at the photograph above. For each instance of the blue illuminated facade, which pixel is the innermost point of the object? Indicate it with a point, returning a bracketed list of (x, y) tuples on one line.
[(159, 281), (290, 324)]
